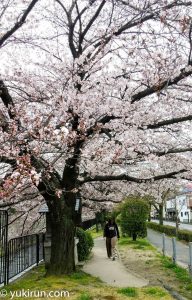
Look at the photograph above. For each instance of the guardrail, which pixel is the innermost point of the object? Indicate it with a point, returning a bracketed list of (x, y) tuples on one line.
[(22, 253)]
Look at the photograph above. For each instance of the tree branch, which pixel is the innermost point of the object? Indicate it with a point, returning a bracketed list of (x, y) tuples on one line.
[(18, 24), (141, 20), (185, 72), (6, 160), (171, 151), (100, 200), (92, 20), (7, 99), (150, 16), (125, 177), (102, 120), (190, 43), (168, 122)]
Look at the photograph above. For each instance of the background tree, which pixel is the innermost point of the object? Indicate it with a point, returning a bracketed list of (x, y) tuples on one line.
[(100, 219), (160, 204), (134, 214)]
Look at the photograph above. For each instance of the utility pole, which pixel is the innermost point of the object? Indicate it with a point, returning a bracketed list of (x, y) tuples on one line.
[(177, 219)]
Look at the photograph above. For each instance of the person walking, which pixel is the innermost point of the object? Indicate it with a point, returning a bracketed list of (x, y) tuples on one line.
[(111, 233)]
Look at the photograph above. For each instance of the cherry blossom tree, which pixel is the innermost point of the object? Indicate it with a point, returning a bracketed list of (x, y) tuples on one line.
[(13, 16), (97, 97)]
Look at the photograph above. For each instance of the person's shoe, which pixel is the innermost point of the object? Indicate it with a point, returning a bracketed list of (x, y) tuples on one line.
[(113, 258)]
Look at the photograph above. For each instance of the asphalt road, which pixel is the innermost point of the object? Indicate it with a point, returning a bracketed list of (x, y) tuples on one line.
[(182, 250), (181, 226)]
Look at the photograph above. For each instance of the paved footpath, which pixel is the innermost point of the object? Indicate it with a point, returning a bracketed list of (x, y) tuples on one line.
[(112, 272), (155, 238)]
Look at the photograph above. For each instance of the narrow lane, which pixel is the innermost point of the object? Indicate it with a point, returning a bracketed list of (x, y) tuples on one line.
[(181, 226), (155, 238)]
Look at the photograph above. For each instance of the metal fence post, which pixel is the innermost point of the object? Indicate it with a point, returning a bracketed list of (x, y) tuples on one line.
[(6, 282), (37, 249), (190, 258), (174, 250), (5, 248), (43, 246), (163, 249)]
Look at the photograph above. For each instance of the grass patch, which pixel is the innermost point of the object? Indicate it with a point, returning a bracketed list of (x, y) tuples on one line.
[(155, 291), (80, 285), (83, 278), (141, 244), (85, 297), (129, 292), (75, 283), (180, 273)]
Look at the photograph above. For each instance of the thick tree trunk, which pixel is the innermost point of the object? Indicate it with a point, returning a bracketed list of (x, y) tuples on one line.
[(62, 247), (134, 236), (61, 197), (62, 225)]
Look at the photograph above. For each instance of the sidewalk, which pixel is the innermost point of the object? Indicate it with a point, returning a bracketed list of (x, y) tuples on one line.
[(155, 238), (111, 272)]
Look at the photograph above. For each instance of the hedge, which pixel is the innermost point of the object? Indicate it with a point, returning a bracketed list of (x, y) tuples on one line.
[(170, 230), (134, 213), (85, 244), (185, 235)]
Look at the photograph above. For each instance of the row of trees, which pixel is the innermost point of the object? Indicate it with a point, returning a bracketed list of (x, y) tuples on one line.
[(95, 104)]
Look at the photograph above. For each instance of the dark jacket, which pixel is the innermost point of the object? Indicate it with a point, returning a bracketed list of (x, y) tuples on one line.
[(111, 230)]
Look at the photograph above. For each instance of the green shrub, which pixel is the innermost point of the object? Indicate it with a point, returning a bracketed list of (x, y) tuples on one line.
[(185, 235), (89, 240), (118, 219), (170, 230), (85, 244), (134, 213), (129, 292)]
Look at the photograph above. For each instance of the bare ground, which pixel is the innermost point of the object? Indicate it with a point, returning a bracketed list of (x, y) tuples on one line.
[(148, 265)]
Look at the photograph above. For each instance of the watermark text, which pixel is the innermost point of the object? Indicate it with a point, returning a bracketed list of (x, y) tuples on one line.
[(26, 293)]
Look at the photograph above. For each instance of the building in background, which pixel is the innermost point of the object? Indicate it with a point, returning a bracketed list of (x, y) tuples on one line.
[(180, 205)]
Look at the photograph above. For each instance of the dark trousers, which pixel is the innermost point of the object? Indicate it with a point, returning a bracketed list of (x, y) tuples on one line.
[(108, 246)]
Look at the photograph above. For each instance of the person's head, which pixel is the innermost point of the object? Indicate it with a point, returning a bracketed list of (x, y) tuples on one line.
[(109, 221), (112, 220)]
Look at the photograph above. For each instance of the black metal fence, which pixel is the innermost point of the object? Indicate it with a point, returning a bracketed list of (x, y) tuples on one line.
[(3, 244), (18, 254), (24, 252)]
